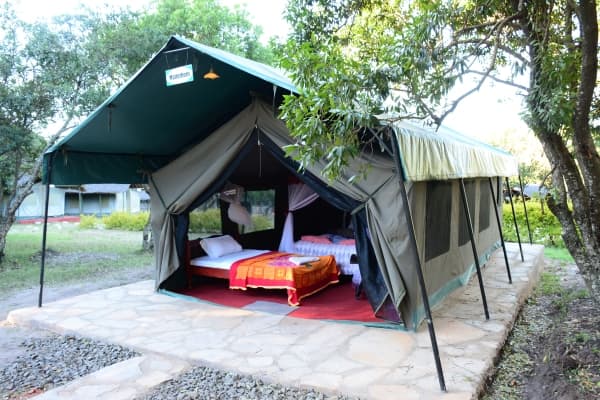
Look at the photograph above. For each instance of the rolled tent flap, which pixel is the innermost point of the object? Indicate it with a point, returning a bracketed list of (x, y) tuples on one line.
[(427, 155)]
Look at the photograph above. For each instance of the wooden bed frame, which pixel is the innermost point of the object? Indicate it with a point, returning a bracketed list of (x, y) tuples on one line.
[(193, 250)]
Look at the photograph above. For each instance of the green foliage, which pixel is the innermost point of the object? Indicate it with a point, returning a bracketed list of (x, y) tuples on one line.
[(556, 253), (126, 221), (550, 284), (261, 222), (207, 221), (88, 222), (205, 21), (61, 70), (545, 228), (49, 72)]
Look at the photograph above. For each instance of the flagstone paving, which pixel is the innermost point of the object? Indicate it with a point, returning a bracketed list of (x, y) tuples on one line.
[(372, 363)]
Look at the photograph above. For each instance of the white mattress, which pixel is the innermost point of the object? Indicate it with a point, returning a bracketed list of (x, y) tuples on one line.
[(341, 252), (225, 262)]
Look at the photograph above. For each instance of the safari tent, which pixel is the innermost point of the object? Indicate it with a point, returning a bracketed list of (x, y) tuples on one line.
[(188, 136)]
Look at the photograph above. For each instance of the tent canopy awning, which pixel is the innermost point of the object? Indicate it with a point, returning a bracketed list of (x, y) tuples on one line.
[(147, 123)]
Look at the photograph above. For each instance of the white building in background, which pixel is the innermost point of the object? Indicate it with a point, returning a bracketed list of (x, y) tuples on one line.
[(92, 199)]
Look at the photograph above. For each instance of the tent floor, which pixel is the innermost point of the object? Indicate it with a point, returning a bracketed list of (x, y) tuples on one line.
[(336, 302), (172, 334)]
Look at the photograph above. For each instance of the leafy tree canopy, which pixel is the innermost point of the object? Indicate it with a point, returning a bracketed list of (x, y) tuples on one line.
[(356, 59), (59, 71)]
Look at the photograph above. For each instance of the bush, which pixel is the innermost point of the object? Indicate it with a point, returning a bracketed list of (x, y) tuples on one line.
[(207, 221), (126, 221), (88, 222), (545, 228), (261, 222)]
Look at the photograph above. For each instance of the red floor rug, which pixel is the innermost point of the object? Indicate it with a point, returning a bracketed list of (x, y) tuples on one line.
[(335, 302)]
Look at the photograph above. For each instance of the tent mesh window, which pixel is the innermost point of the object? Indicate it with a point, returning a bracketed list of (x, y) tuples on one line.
[(463, 229), (485, 203), (205, 220), (261, 205), (438, 218)]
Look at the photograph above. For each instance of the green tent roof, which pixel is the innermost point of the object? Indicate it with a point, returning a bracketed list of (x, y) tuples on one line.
[(146, 123)]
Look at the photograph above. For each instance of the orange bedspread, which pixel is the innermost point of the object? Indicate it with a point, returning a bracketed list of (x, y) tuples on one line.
[(273, 270)]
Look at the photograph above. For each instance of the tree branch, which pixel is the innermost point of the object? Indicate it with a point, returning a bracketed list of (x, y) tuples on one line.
[(26, 188), (494, 24), (486, 42), (487, 73), (495, 78)]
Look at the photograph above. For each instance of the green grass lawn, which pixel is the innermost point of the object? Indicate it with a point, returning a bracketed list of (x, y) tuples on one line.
[(73, 254), (558, 253)]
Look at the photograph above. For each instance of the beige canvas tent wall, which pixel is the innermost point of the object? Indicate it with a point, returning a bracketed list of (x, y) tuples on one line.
[(183, 140)]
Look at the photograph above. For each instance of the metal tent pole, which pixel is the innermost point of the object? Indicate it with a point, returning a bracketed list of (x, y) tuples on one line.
[(45, 232), (512, 206), (525, 209), (500, 229), (413, 242), (463, 194)]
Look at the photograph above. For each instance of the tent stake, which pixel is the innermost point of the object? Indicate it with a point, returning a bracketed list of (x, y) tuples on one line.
[(463, 194), (45, 232), (525, 209), (500, 229), (413, 241), (512, 206)]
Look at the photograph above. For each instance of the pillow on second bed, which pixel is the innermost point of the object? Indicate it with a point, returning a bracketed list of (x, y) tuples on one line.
[(220, 246)]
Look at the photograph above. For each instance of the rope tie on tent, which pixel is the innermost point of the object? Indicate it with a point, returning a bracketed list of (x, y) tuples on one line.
[(258, 142), (364, 204)]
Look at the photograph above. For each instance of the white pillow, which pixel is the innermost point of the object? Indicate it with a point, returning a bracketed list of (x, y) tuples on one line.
[(238, 214), (220, 246)]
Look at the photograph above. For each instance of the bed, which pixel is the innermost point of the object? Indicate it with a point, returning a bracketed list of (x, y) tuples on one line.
[(343, 249), (301, 276)]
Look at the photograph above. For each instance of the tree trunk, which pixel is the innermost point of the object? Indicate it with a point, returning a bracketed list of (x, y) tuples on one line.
[(576, 172), (19, 193), (4, 228)]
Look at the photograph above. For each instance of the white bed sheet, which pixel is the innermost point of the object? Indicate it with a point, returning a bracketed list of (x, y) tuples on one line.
[(341, 252), (224, 262)]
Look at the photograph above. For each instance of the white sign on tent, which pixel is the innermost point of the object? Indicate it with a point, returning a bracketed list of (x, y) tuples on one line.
[(179, 75)]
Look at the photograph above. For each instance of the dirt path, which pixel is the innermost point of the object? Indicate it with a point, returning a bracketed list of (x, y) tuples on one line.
[(11, 336), (553, 352)]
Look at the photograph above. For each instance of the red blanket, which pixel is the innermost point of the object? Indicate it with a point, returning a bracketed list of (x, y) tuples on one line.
[(274, 270)]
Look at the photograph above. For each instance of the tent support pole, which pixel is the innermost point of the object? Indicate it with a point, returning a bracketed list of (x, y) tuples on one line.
[(494, 200), (413, 242), (463, 194), (525, 209), (512, 206), (45, 232)]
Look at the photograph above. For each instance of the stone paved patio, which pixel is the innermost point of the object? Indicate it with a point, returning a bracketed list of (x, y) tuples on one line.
[(373, 363)]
